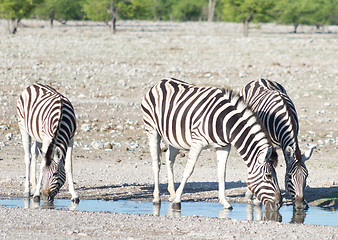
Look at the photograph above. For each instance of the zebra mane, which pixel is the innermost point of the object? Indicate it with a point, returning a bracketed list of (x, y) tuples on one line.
[(49, 88), (237, 100), (293, 125), (52, 145)]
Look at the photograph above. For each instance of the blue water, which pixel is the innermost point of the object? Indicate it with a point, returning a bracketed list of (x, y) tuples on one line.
[(241, 211)]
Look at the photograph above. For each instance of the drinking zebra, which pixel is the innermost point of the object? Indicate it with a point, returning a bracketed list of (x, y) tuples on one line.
[(196, 118), (48, 118), (278, 114)]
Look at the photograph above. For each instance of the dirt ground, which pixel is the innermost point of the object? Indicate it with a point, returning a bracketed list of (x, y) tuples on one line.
[(105, 77)]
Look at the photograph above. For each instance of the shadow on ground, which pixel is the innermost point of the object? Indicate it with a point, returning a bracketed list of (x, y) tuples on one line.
[(200, 191)]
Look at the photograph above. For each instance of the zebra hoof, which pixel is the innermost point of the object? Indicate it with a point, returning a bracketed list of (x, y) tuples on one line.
[(176, 206), (36, 198), (76, 200), (256, 202), (228, 207)]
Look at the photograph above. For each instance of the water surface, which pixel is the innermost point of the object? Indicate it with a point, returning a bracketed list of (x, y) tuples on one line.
[(240, 211)]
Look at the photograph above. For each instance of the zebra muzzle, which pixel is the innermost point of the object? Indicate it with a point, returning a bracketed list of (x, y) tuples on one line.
[(47, 195), (45, 192), (300, 204)]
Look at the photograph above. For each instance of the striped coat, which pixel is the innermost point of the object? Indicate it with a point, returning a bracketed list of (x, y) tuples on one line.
[(48, 118), (195, 118), (278, 114)]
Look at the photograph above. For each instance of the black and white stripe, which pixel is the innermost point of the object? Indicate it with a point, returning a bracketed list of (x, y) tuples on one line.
[(48, 118), (195, 118), (278, 114)]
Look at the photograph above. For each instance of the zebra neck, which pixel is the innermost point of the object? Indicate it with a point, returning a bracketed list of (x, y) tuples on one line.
[(250, 145), (62, 137)]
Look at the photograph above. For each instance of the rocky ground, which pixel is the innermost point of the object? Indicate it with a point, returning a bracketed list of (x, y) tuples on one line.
[(105, 77)]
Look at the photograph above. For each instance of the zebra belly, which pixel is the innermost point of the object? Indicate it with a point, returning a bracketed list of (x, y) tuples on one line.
[(35, 133), (176, 144)]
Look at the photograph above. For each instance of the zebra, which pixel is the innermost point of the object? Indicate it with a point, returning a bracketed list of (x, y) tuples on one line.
[(278, 114), (195, 118), (48, 118)]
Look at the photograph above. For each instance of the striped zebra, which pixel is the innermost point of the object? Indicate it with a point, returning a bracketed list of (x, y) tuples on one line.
[(196, 118), (48, 118), (278, 114)]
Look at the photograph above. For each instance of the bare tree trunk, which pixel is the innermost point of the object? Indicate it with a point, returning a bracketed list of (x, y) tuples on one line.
[(295, 26), (211, 11), (113, 21), (113, 15), (246, 25), (246, 28), (13, 25)]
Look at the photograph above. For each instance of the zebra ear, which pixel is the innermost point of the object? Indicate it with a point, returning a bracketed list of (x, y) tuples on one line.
[(265, 155), (288, 153), (306, 156), (57, 153), (268, 154)]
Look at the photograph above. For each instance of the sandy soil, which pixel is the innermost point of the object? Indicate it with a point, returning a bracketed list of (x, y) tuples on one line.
[(105, 77)]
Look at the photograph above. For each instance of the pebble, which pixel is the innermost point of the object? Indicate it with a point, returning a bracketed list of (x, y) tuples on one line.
[(108, 146), (3, 127), (85, 127), (9, 136), (97, 145)]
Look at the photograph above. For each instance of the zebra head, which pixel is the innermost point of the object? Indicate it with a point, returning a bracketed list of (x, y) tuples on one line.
[(296, 175), (262, 180), (54, 175)]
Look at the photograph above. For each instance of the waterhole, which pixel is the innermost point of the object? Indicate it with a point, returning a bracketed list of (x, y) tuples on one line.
[(240, 211)]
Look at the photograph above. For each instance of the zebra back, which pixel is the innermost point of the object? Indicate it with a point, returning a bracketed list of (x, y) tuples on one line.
[(39, 111), (46, 114), (276, 110)]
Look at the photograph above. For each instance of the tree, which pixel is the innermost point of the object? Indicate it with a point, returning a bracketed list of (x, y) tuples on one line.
[(61, 10), (136, 9), (246, 11), (15, 10), (296, 12), (326, 12), (162, 9), (211, 9), (189, 10), (109, 10), (102, 10)]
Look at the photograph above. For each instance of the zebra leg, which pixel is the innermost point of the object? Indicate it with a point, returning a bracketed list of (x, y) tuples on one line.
[(36, 196), (194, 153), (69, 171), (222, 158), (43, 150), (248, 195), (26, 142), (170, 160), (35, 153), (155, 151)]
